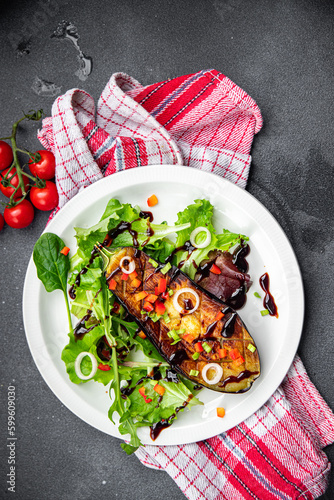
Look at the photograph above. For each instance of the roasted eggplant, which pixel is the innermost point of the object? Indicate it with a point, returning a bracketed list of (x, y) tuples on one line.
[(201, 337)]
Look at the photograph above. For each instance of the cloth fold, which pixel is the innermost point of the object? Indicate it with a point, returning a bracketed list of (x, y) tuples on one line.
[(203, 121)]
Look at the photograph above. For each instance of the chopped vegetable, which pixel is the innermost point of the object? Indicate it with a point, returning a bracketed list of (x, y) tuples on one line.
[(124, 276), (256, 294), (148, 307), (195, 355), (215, 269), (135, 283), (162, 285), (188, 338), (251, 347), (153, 262), (141, 295), (112, 284), (219, 316), (133, 275), (206, 347), (198, 347), (239, 361), (222, 353), (160, 308), (265, 312), (151, 298), (166, 268), (104, 367), (65, 251), (142, 335), (234, 353), (194, 373), (159, 389), (152, 200), (221, 412)]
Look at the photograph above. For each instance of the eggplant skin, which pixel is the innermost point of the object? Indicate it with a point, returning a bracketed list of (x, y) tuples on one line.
[(202, 325)]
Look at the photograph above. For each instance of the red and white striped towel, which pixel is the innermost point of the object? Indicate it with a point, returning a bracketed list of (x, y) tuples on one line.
[(204, 121)]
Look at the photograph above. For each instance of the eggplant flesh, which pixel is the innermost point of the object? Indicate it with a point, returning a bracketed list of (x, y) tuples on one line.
[(227, 339)]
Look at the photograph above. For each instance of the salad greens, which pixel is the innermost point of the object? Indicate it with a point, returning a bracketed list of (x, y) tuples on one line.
[(144, 392)]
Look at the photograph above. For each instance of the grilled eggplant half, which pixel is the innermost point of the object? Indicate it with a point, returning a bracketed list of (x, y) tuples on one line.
[(201, 337)]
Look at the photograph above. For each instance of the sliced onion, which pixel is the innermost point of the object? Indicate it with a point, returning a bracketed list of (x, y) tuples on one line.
[(195, 232), (131, 266), (77, 365), (218, 373), (177, 305)]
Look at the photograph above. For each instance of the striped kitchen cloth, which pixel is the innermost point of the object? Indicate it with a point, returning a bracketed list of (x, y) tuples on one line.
[(203, 121)]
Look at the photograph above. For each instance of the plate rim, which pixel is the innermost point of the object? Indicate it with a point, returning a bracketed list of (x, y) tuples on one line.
[(165, 172)]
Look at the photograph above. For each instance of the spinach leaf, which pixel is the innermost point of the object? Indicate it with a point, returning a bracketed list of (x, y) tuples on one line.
[(52, 266)]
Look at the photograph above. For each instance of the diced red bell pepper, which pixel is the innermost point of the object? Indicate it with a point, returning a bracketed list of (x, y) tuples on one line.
[(239, 361), (141, 295), (159, 389), (65, 251), (219, 316), (162, 285), (148, 306), (165, 295), (160, 308), (141, 334), (222, 353), (198, 347), (112, 284), (135, 283), (188, 338), (104, 368), (151, 298), (142, 392), (221, 412), (156, 290), (124, 276), (215, 269), (152, 200), (234, 354)]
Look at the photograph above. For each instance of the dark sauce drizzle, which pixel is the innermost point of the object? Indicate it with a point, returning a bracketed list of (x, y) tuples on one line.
[(268, 301), (80, 328), (232, 379), (164, 423)]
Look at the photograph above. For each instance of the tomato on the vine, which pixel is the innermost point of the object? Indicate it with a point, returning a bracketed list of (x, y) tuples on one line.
[(8, 190), (44, 198), (45, 168), (20, 215), (2, 222), (6, 155)]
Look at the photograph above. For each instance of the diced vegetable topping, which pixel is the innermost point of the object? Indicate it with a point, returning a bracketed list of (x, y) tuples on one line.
[(188, 338), (215, 269), (142, 335), (265, 312), (219, 316), (142, 393), (148, 307), (234, 353), (162, 285), (124, 276), (239, 361), (133, 275), (195, 355), (141, 295), (152, 200), (151, 298), (104, 368), (159, 307), (136, 283), (198, 347), (206, 347), (65, 251), (153, 262), (251, 347), (194, 373), (221, 412), (159, 389), (256, 294), (222, 353), (166, 268), (112, 284)]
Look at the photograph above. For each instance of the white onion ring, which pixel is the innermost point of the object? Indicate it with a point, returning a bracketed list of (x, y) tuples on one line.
[(217, 377), (132, 265), (77, 365), (177, 305), (195, 232)]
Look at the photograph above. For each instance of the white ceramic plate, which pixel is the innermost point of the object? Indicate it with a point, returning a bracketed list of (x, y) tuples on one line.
[(176, 187)]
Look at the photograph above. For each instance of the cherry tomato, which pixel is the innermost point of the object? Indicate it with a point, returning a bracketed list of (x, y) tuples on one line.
[(8, 190), (44, 198), (45, 168), (2, 222), (19, 216), (6, 155)]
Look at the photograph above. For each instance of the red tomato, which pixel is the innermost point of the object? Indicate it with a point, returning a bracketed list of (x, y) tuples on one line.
[(44, 198), (2, 222), (45, 168), (6, 155), (19, 216), (7, 190)]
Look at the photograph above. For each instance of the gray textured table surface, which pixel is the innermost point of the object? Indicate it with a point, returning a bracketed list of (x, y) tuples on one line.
[(282, 54)]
